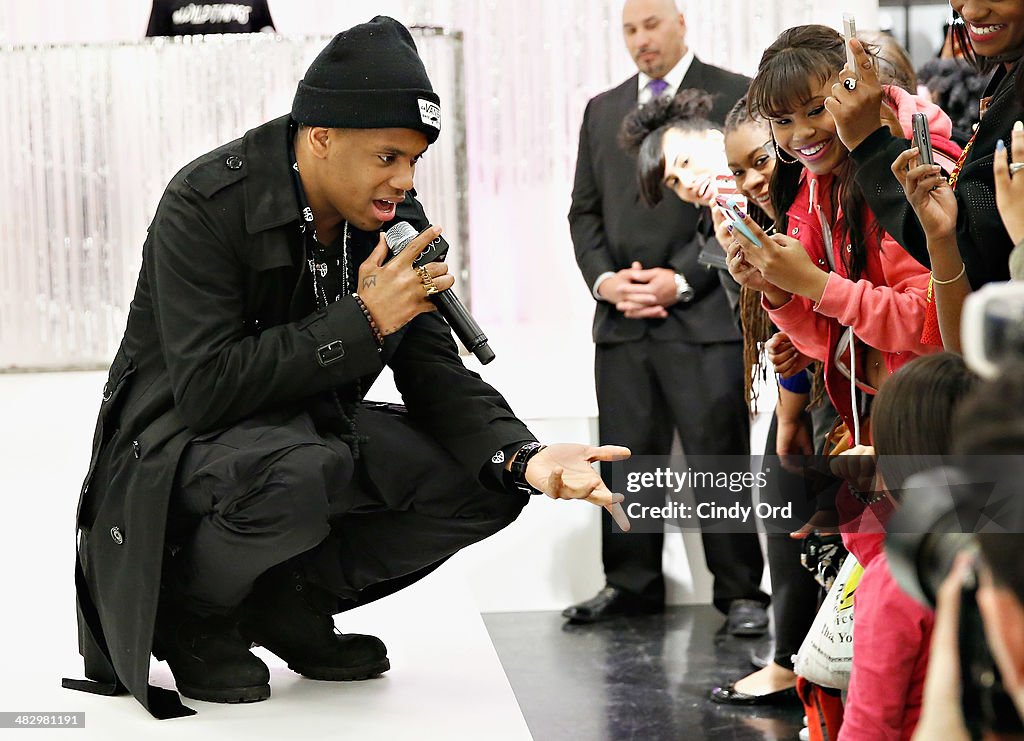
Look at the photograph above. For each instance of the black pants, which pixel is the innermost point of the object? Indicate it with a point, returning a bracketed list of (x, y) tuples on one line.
[(272, 489), (645, 390)]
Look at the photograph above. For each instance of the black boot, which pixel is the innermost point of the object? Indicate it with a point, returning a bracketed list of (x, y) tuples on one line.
[(293, 619), (209, 658)]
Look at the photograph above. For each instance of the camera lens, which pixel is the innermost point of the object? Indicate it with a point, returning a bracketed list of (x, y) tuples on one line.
[(927, 532)]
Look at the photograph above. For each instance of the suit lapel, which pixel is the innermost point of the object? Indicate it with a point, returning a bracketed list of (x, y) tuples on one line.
[(626, 97), (695, 77)]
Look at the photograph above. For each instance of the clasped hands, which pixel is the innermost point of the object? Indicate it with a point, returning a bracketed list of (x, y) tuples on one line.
[(640, 293)]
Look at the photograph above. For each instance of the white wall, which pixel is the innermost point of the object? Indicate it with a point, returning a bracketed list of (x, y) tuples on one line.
[(551, 557)]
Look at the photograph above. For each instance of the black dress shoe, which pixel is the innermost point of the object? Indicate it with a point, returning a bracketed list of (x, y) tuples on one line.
[(729, 695), (747, 618), (610, 603)]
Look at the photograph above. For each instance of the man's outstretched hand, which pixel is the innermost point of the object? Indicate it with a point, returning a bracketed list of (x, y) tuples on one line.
[(564, 471)]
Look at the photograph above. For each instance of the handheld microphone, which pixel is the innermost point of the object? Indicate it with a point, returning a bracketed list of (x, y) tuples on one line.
[(448, 304)]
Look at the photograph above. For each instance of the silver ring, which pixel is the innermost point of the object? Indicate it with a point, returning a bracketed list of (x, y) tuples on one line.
[(1016, 167), (850, 83)]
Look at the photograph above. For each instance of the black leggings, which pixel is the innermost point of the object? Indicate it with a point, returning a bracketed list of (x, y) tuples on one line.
[(795, 593)]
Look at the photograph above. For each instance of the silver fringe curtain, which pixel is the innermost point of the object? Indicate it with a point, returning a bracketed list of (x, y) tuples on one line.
[(92, 134)]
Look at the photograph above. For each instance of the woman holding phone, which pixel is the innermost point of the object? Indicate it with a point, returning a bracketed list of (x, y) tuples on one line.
[(991, 35)]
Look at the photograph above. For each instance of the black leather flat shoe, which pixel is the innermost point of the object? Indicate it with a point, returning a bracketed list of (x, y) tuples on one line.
[(729, 695)]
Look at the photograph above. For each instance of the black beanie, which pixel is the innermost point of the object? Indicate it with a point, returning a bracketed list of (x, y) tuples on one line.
[(369, 77)]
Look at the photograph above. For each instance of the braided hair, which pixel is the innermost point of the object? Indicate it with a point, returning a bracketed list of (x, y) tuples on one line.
[(754, 320)]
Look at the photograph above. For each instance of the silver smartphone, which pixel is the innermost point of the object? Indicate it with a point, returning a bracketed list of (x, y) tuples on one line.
[(850, 32), (922, 139)]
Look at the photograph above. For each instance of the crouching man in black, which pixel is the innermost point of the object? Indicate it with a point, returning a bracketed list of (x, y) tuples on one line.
[(240, 491)]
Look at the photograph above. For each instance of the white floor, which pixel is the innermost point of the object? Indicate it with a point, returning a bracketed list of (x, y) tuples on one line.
[(446, 681)]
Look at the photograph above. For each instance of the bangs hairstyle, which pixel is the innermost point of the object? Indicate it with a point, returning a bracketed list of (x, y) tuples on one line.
[(800, 54), (803, 56), (644, 129)]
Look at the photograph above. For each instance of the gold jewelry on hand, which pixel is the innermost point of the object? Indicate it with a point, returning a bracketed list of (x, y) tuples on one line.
[(936, 281), (427, 281)]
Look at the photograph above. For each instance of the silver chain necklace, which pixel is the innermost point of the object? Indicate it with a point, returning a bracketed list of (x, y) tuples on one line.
[(320, 269)]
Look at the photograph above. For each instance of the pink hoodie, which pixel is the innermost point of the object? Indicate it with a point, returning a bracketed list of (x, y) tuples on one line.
[(940, 126), (886, 307)]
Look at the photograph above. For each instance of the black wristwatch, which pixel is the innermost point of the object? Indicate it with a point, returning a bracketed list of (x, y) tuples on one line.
[(517, 473)]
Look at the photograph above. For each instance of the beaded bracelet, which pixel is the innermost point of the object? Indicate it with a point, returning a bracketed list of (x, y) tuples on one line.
[(373, 325)]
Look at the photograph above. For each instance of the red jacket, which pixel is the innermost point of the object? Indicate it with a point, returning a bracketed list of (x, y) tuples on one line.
[(891, 637), (886, 307)]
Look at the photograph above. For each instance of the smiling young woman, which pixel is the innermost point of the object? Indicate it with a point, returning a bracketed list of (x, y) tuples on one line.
[(991, 35)]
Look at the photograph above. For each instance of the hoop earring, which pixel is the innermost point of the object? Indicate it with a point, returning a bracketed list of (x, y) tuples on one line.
[(778, 154)]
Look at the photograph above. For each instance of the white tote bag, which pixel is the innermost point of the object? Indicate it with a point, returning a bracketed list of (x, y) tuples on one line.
[(826, 655)]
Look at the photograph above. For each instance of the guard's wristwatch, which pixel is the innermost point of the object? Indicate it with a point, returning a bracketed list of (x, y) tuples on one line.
[(684, 291)]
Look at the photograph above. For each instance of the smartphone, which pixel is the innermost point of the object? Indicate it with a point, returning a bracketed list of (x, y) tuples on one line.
[(922, 139), (731, 208), (725, 187), (850, 32)]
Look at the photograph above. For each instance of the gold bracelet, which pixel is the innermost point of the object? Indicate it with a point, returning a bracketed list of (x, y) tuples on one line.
[(959, 275)]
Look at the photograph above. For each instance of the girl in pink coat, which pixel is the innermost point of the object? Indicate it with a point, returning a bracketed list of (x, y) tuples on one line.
[(830, 280)]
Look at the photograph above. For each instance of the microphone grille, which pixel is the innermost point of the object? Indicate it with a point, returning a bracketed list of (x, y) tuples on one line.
[(399, 236)]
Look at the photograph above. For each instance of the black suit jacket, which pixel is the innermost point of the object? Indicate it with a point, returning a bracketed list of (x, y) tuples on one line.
[(611, 227)]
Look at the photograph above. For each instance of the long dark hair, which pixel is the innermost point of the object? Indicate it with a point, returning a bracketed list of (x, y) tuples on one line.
[(984, 65), (912, 414), (782, 85), (642, 132)]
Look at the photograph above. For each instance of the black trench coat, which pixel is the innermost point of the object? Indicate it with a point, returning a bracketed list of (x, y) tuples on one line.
[(219, 330)]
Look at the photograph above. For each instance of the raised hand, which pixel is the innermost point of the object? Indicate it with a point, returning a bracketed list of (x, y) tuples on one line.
[(1010, 189), (857, 112), (394, 293), (928, 192), (784, 264)]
